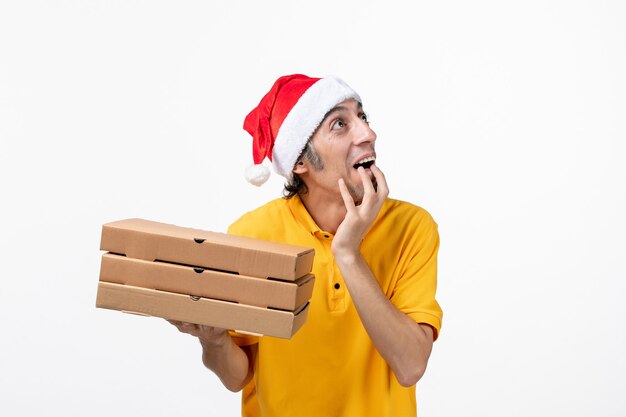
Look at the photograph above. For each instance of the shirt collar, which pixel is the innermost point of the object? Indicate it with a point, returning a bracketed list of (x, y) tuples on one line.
[(302, 216)]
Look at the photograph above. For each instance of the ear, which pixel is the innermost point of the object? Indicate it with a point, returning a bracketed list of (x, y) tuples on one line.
[(301, 167)]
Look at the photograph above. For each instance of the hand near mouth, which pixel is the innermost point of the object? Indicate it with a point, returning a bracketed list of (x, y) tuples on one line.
[(359, 218)]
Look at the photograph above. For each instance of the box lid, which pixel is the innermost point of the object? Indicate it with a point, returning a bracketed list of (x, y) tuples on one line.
[(151, 241)]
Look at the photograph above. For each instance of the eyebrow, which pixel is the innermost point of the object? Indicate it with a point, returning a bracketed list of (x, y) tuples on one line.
[(339, 109)]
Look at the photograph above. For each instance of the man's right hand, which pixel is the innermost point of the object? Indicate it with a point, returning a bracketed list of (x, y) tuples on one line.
[(231, 363), (208, 335)]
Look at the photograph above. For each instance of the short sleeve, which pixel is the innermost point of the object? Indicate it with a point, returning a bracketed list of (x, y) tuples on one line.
[(415, 288)]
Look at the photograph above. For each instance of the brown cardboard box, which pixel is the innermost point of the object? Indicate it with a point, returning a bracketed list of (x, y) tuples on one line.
[(150, 241), (217, 313), (202, 277), (188, 280)]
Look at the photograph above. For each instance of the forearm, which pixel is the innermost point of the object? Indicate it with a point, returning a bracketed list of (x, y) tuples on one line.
[(231, 363), (404, 344)]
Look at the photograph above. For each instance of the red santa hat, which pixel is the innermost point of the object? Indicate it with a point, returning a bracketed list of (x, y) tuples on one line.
[(287, 117)]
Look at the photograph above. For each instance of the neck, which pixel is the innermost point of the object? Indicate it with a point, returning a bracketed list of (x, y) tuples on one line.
[(328, 211)]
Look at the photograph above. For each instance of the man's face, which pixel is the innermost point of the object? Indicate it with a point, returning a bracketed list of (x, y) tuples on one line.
[(343, 141)]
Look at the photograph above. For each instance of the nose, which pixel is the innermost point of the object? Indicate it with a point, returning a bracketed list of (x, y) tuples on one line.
[(364, 133)]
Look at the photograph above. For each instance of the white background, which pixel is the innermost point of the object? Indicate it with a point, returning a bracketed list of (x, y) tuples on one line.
[(504, 119)]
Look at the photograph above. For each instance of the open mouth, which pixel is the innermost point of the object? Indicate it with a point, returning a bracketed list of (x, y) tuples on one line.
[(365, 162)]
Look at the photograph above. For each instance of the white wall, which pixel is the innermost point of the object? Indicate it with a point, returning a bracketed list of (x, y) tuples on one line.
[(504, 119)]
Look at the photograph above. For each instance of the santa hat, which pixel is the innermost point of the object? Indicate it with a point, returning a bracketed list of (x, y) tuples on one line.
[(287, 117)]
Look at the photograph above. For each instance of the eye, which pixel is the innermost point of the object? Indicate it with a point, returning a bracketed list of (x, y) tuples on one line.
[(337, 124), (365, 118)]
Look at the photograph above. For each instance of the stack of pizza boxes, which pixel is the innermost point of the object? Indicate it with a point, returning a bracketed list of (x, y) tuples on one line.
[(233, 282)]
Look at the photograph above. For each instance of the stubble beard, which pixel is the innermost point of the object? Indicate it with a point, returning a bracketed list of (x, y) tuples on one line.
[(357, 191)]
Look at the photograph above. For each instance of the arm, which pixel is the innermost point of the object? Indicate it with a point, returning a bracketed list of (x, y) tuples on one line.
[(404, 344), (234, 365)]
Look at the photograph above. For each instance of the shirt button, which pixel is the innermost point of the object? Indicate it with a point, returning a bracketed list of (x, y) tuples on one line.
[(337, 286)]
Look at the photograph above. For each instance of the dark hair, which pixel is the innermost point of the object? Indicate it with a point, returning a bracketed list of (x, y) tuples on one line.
[(295, 185)]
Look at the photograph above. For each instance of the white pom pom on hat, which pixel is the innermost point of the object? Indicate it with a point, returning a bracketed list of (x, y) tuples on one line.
[(257, 174), (286, 118)]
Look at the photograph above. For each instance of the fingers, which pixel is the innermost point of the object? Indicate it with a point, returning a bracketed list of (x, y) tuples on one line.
[(382, 187), (345, 194), (373, 197), (213, 329), (184, 327), (190, 326), (368, 187), (179, 324), (203, 332)]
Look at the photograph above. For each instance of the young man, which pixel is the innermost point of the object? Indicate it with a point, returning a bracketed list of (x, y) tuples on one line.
[(373, 315)]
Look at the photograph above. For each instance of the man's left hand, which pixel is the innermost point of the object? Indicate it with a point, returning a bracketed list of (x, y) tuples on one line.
[(358, 220)]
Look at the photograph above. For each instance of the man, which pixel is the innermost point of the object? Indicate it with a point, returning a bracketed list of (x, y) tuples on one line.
[(373, 315)]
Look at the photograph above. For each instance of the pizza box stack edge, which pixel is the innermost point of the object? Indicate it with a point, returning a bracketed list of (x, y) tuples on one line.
[(178, 273)]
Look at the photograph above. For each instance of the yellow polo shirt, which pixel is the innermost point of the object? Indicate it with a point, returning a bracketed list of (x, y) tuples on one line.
[(330, 367)]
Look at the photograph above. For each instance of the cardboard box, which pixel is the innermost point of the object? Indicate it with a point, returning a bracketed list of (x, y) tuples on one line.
[(191, 309), (152, 241), (188, 280)]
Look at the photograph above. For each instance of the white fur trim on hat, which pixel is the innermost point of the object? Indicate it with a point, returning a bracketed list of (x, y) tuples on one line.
[(305, 116)]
